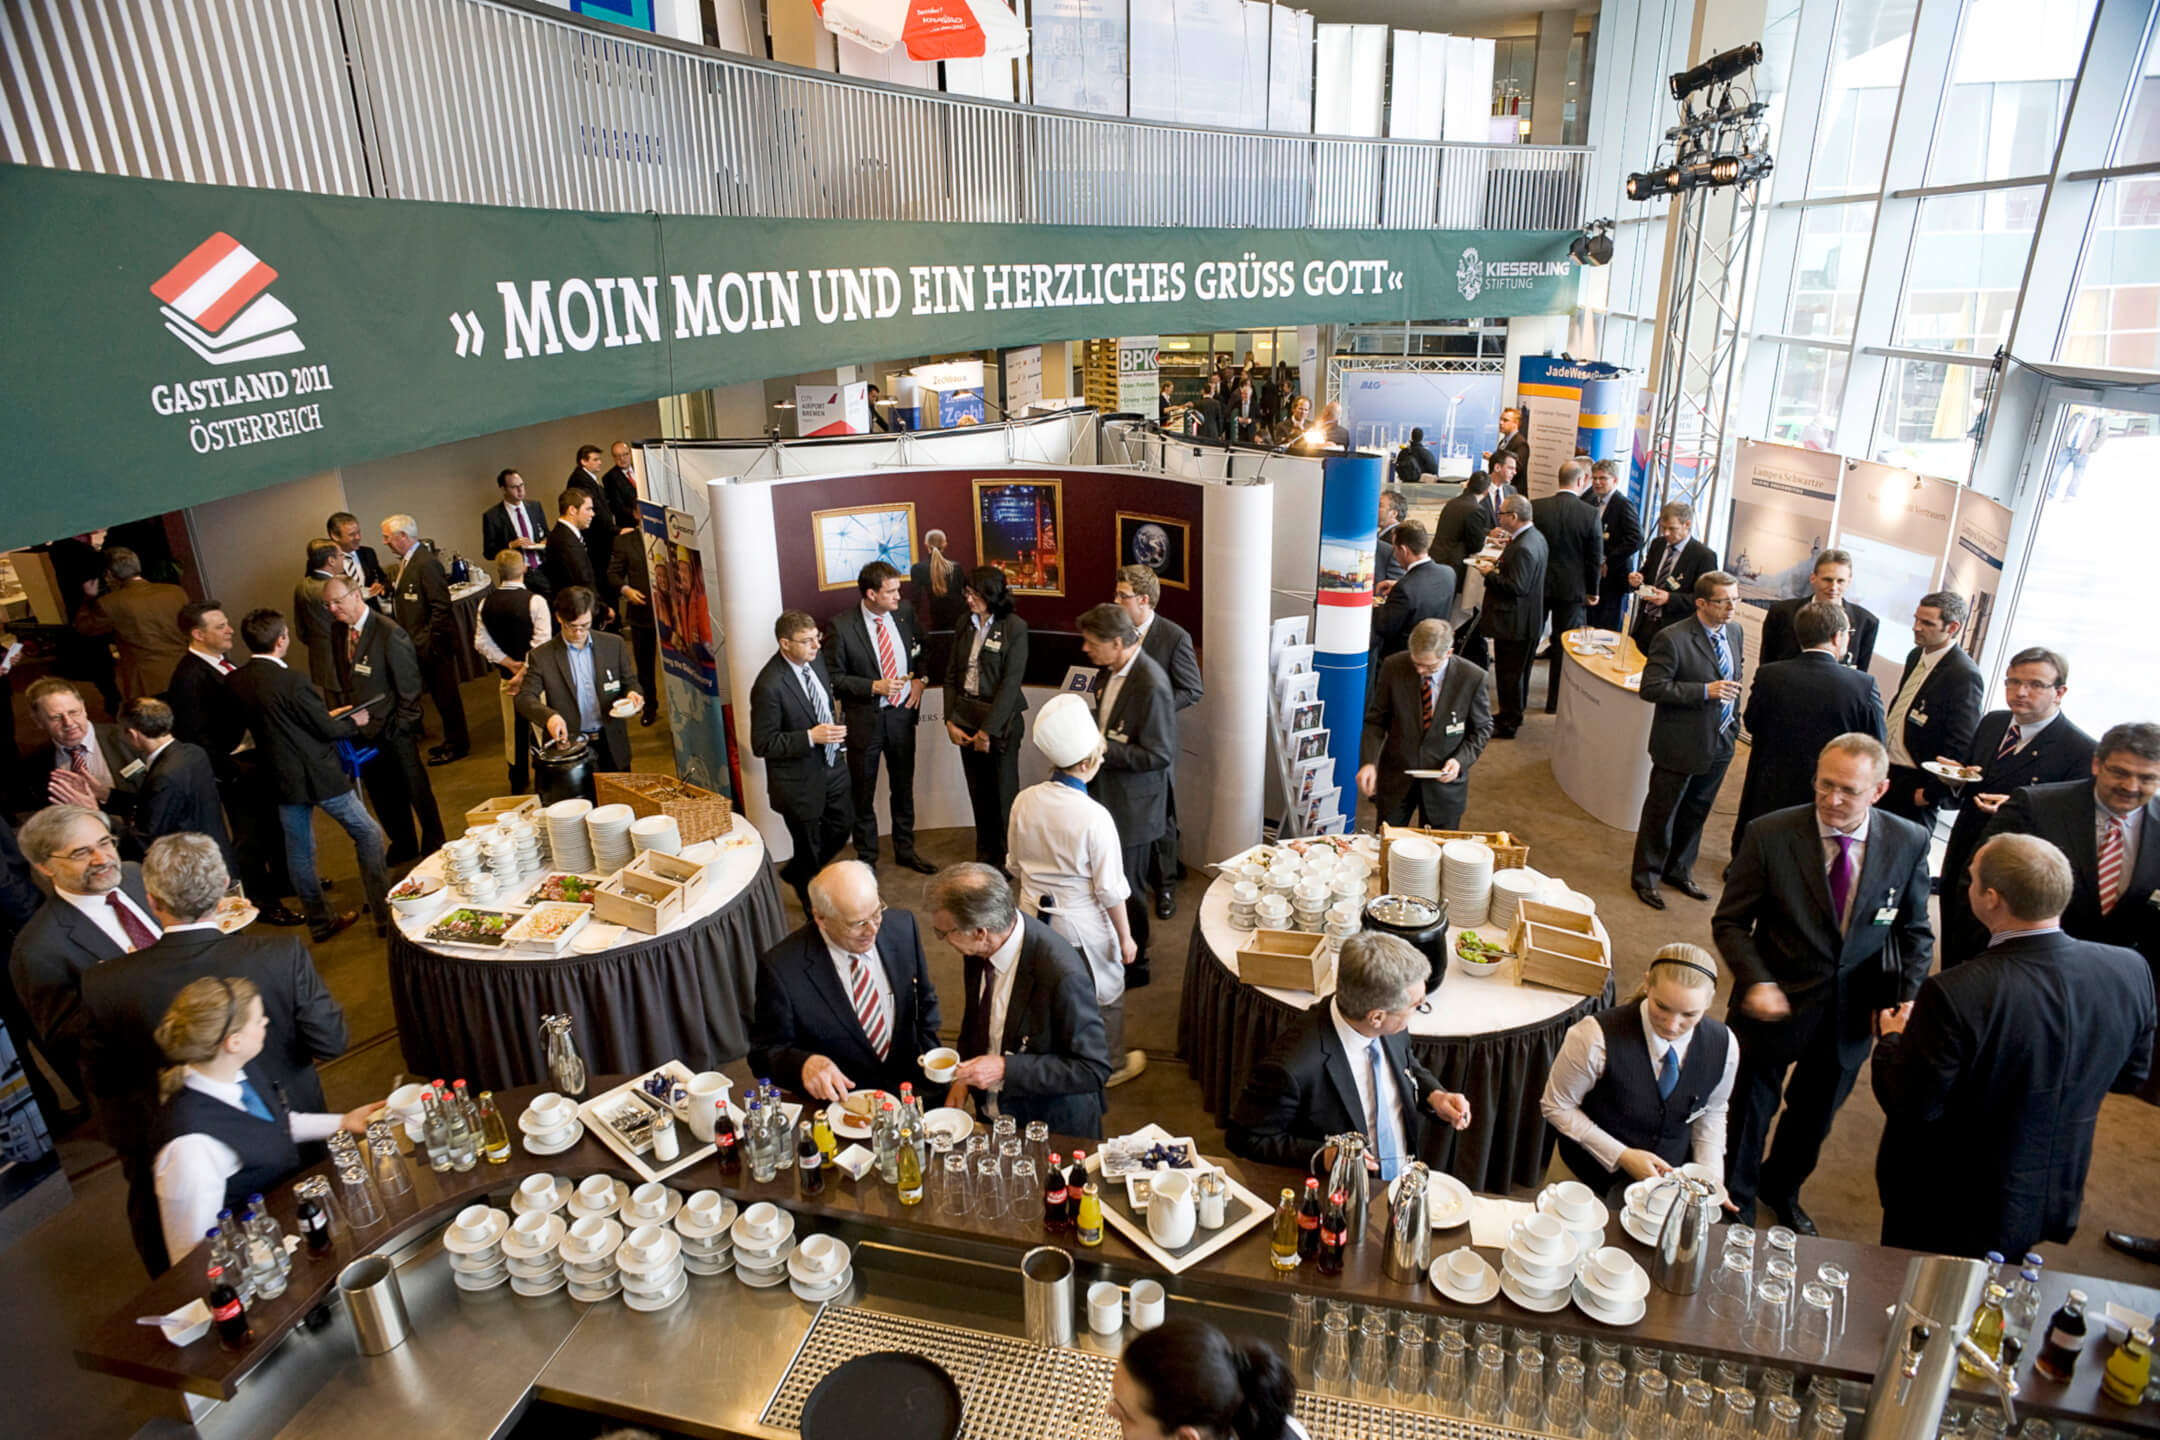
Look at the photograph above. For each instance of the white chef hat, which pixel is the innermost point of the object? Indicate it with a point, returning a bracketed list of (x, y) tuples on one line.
[(1065, 730)]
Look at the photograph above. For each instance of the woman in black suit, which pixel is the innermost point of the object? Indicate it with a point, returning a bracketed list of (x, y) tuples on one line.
[(983, 705)]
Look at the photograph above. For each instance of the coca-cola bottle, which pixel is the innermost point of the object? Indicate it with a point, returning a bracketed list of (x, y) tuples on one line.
[(1076, 1183), (1056, 1214), (1334, 1234), (1308, 1223), (228, 1312), (726, 1143)]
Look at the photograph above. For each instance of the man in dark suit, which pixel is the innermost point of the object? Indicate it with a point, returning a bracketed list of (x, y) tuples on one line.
[(311, 618), (517, 523), (1575, 552), (599, 536), (845, 1003), (357, 562), (1991, 1081), (572, 684), (1621, 530), (1503, 475), (1692, 675), (1935, 711), (125, 998), (1424, 590), (19, 902), (1514, 610), (879, 670), (629, 576), (1170, 645), (1031, 1035), (1512, 442), (1207, 411), (421, 605), (178, 791), (568, 559), (620, 485), (1824, 921), (1386, 568), (1796, 707), (1460, 531), (2031, 742), (1346, 1065), (298, 740), (1138, 716), (795, 730), (378, 667), (1426, 711), (96, 752), (1670, 568), (1828, 583)]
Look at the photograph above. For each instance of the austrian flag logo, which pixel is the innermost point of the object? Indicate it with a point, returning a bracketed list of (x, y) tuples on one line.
[(217, 302)]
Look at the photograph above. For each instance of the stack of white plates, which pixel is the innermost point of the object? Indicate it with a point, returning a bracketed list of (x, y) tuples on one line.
[(461, 862), (657, 832), (1468, 866), (651, 1261), (703, 1223), (609, 829), (588, 1258), (1244, 905), (1414, 869), (1509, 889), (1564, 899), (571, 846), (474, 1241)]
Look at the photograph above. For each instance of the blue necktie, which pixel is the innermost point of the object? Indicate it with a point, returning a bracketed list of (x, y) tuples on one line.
[(822, 708), (1668, 1074), (1724, 670), (253, 1101), (1383, 1126)]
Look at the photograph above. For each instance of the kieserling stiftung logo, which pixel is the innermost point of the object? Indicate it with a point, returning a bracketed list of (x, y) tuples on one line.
[(1470, 275), (217, 302)]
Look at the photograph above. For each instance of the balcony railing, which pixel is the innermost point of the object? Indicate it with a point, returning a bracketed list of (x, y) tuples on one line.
[(492, 102)]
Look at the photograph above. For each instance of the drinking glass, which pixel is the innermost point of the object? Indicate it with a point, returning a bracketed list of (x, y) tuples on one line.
[(1816, 1326), (1646, 1411), (1564, 1401), (941, 1145), (1369, 1373), (1534, 1339), (1686, 1365), (1407, 1379), (1741, 1238), (987, 1198), (1332, 1375), (1780, 1268), (1776, 1382), (1008, 1150), (952, 1195), (356, 1195), (1735, 1414), (2036, 1429), (386, 1164), (1988, 1424), (1606, 1412), (1487, 1333), (1782, 1241), (1004, 1128), (1304, 1316), (1602, 1351), (1645, 1357), (1526, 1394), (976, 1144), (1766, 1325), (1826, 1424), (1732, 1288), (1449, 1324), (1450, 1370), (1488, 1384), (1834, 1277), (1565, 1345), (317, 1188), (1027, 1197), (1691, 1414), (1952, 1424), (1781, 1420), (1037, 1138)]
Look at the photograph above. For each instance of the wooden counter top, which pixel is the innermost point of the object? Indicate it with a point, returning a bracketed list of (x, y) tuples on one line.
[(1627, 659)]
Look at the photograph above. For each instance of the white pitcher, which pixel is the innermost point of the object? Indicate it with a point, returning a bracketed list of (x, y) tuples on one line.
[(1170, 1209), (707, 1089)]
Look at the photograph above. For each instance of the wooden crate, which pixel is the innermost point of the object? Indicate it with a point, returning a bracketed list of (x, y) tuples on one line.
[(1552, 917), (690, 876), (1509, 853), (1563, 960), (487, 812), (643, 902), (1286, 960), (699, 814)]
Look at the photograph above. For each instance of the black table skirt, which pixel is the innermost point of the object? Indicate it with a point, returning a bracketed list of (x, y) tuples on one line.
[(1224, 1027), (465, 617), (684, 996)]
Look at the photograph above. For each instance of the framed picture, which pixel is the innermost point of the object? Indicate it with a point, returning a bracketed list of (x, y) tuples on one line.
[(849, 539), (1162, 544), (1020, 528), (1308, 745)]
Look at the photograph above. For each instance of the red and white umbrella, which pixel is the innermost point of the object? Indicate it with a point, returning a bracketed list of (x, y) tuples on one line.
[(930, 29)]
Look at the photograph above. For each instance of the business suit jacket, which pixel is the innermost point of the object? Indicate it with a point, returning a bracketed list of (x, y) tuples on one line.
[(852, 661), (1515, 591), (1394, 739), (1460, 533), (1620, 531), (1943, 716), (568, 559), (599, 537), (1170, 645), (1774, 924), (1518, 445), (628, 564), (498, 532), (204, 710), (46, 758), (1303, 1092), (1057, 1056), (145, 619), (2064, 816), (2058, 753), (550, 689), (420, 602), (999, 674), (803, 1009), (54, 949), (797, 777), (293, 730), (1140, 744), (123, 1000), (1575, 547), (179, 796), (1794, 709), (386, 665), (1385, 566), (311, 627), (1696, 560), (1677, 675), (1991, 1095), (1780, 641), (1425, 592), (622, 495)]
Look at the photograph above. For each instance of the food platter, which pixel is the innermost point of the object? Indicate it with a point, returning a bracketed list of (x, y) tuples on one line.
[(549, 926), (469, 925), (561, 886), (1963, 774)]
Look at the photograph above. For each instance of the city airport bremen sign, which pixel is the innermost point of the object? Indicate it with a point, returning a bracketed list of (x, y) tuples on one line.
[(187, 342)]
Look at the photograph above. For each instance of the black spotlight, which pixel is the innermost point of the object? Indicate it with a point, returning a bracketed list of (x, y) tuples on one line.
[(1594, 246), (1735, 61)]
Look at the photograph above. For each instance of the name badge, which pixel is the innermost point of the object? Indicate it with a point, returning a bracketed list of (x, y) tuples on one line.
[(135, 767), (411, 594), (361, 667), (993, 644), (612, 686), (1917, 717), (1456, 728), (1697, 1115), (1115, 735), (1887, 915)]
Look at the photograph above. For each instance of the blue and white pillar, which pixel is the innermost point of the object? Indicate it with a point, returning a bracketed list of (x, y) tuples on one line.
[(1342, 620)]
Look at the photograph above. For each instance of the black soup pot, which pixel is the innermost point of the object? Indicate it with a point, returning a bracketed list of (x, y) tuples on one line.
[(1422, 922), (563, 772)]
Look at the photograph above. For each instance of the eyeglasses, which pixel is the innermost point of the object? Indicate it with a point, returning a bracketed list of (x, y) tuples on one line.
[(944, 935), (106, 846), (868, 922)]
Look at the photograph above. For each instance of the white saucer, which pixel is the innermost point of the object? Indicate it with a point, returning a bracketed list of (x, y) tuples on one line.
[(689, 1229), (656, 1282), (670, 1252), (498, 1226), (594, 1294), (611, 1235), (478, 1262), (669, 1204), (535, 1269), (1490, 1288), (799, 1271), (719, 1265), (617, 1198), (1638, 1288), (576, 1133), (1546, 1306), (624, 708), (947, 1120), (550, 1237), (537, 1287), (760, 1279), (518, 1205), (485, 1281), (754, 1245), (1638, 1228), (1586, 1301), (709, 1247), (661, 1301), (529, 1122), (818, 1295)]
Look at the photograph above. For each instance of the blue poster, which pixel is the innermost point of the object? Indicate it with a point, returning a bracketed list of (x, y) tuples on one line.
[(689, 657), (1460, 414)]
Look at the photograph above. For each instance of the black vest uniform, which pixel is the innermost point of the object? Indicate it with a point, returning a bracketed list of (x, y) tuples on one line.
[(265, 1147), (1625, 1103), (506, 615)]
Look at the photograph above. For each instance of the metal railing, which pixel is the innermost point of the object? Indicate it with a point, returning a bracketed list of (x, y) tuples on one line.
[(492, 102)]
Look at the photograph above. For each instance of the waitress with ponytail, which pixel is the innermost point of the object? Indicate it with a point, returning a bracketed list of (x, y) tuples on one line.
[(1643, 1088), (226, 1136), (1186, 1380)]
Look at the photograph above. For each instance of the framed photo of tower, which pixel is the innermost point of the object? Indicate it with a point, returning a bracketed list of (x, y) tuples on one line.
[(1020, 528)]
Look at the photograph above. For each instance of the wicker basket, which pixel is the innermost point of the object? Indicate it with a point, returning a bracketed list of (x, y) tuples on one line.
[(1509, 853), (699, 814)]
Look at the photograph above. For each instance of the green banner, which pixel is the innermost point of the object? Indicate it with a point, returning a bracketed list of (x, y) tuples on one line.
[(196, 341)]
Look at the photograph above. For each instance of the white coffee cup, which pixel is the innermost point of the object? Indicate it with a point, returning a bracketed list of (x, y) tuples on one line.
[(649, 1201), (550, 1110), (541, 1192), (762, 1220), (704, 1209), (823, 1255), (472, 1224), (707, 1089), (585, 1235), (1147, 1304), (643, 1244), (1574, 1202), (940, 1064), (530, 1227), (1541, 1235), (1612, 1268), (596, 1190), (1466, 1269), (1106, 1308), (405, 1101)]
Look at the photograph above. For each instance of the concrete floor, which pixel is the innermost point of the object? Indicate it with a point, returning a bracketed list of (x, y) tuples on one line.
[(78, 1267)]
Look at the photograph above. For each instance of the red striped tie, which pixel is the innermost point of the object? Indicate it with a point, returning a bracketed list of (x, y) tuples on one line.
[(2111, 866), (870, 1008), (1425, 704), (2011, 737), (888, 661)]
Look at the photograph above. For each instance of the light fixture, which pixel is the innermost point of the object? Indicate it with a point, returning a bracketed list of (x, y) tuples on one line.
[(1716, 69), (1594, 246)]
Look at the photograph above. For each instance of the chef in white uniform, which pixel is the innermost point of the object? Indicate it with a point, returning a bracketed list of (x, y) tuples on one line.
[(1062, 849)]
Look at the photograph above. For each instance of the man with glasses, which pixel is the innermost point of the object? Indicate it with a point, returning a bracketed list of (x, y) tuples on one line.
[(1298, 1095), (795, 728), (1935, 710), (97, 752), (1692, 676), (573, 684), (845, 1003)]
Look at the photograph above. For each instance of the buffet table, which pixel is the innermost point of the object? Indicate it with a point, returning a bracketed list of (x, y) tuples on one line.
[(465, 617), (685, 992), (1488, 1037), (1601, 746)]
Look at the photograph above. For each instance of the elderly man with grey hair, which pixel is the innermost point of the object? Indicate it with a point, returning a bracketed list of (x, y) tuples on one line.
[(420, 603), (123, 999), (1345, 1065)]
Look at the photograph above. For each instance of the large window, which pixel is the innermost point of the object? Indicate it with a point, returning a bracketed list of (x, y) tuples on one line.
[(1811, 378), (1929, 409), (1867, 66), (2008, 91), (1826, 275), (1968, 264), (2115, 319)]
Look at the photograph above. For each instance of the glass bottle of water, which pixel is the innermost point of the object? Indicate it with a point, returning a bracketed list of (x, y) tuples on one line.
[(261, 1222), (464, 1147), (885, 1142), (436, 1127)]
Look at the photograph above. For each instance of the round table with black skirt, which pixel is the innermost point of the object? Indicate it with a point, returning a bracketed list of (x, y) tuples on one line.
[(1487, 1038), (685, 994), (465, 603)]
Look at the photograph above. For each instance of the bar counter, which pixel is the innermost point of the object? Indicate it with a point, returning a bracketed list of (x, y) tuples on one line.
[(708, 1364)]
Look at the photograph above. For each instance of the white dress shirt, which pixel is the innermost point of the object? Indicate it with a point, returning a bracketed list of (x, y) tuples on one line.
[(543, 629), (214, 660), (1004, 966), (93, 755), (99, 909), (1829, 836), (1357, 1049), (973, 685), (1062, 843), (522, 530), (844, 966), (1115, 686), (2029, 733), (1579, 1066), (1903, 703), (192, 1169)]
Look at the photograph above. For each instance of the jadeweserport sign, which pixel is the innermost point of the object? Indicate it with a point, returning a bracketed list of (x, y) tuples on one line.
[(196, 341)]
